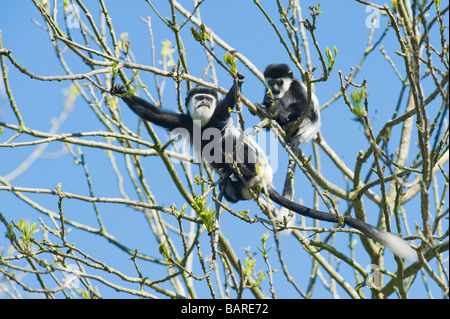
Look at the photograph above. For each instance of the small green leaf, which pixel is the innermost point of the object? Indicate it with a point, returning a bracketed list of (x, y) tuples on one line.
[(437, 3), (207, 216), (331, 59), (200, 34), (27, 230), (260, 276), (132, 79), (358, 97), (263, 250), (114, 71), (21, 223), (264, 238), (195, 34), (183, 209), (394, 4), (249, 265), (328, 54), (163, 251), (230, 60), (244, 214)]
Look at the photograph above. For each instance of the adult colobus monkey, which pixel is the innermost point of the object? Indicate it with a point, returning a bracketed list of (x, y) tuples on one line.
[(241, 163)]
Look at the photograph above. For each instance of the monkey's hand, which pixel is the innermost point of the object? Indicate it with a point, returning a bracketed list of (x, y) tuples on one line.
[(268, 99), (262, 110), (117, 90)]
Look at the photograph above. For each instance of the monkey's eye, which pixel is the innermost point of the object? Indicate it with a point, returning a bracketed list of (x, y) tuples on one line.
[(271, 83), (203, 98), (280, 82)]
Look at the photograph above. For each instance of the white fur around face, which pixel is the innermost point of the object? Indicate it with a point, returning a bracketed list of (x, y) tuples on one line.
[(201, 107), (308, 130), (281, 85)]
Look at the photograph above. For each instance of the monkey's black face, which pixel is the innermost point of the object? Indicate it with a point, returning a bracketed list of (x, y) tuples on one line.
[(278, 86), (201, 107)]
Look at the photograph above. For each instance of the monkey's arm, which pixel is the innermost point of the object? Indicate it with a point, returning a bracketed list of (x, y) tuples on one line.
[(151, 113), (287, 111), (262, 109), (228, 102), (267, 108)]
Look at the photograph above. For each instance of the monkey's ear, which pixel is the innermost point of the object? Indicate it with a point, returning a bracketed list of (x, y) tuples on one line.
[(291, 74)]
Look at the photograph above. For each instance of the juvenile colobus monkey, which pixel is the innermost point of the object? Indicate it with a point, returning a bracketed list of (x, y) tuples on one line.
[(285, 101), (252, 172)]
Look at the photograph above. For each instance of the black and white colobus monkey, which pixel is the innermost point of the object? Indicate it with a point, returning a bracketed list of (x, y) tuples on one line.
[(252, 171), (285, 101)]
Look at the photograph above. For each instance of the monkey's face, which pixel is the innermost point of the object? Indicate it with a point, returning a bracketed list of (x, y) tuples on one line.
[(201, 107), (278, 86)]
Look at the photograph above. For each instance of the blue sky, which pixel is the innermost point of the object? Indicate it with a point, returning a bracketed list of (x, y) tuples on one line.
[(241, 25)]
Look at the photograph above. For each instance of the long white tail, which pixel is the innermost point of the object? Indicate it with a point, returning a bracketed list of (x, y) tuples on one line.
[(395, 244)]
